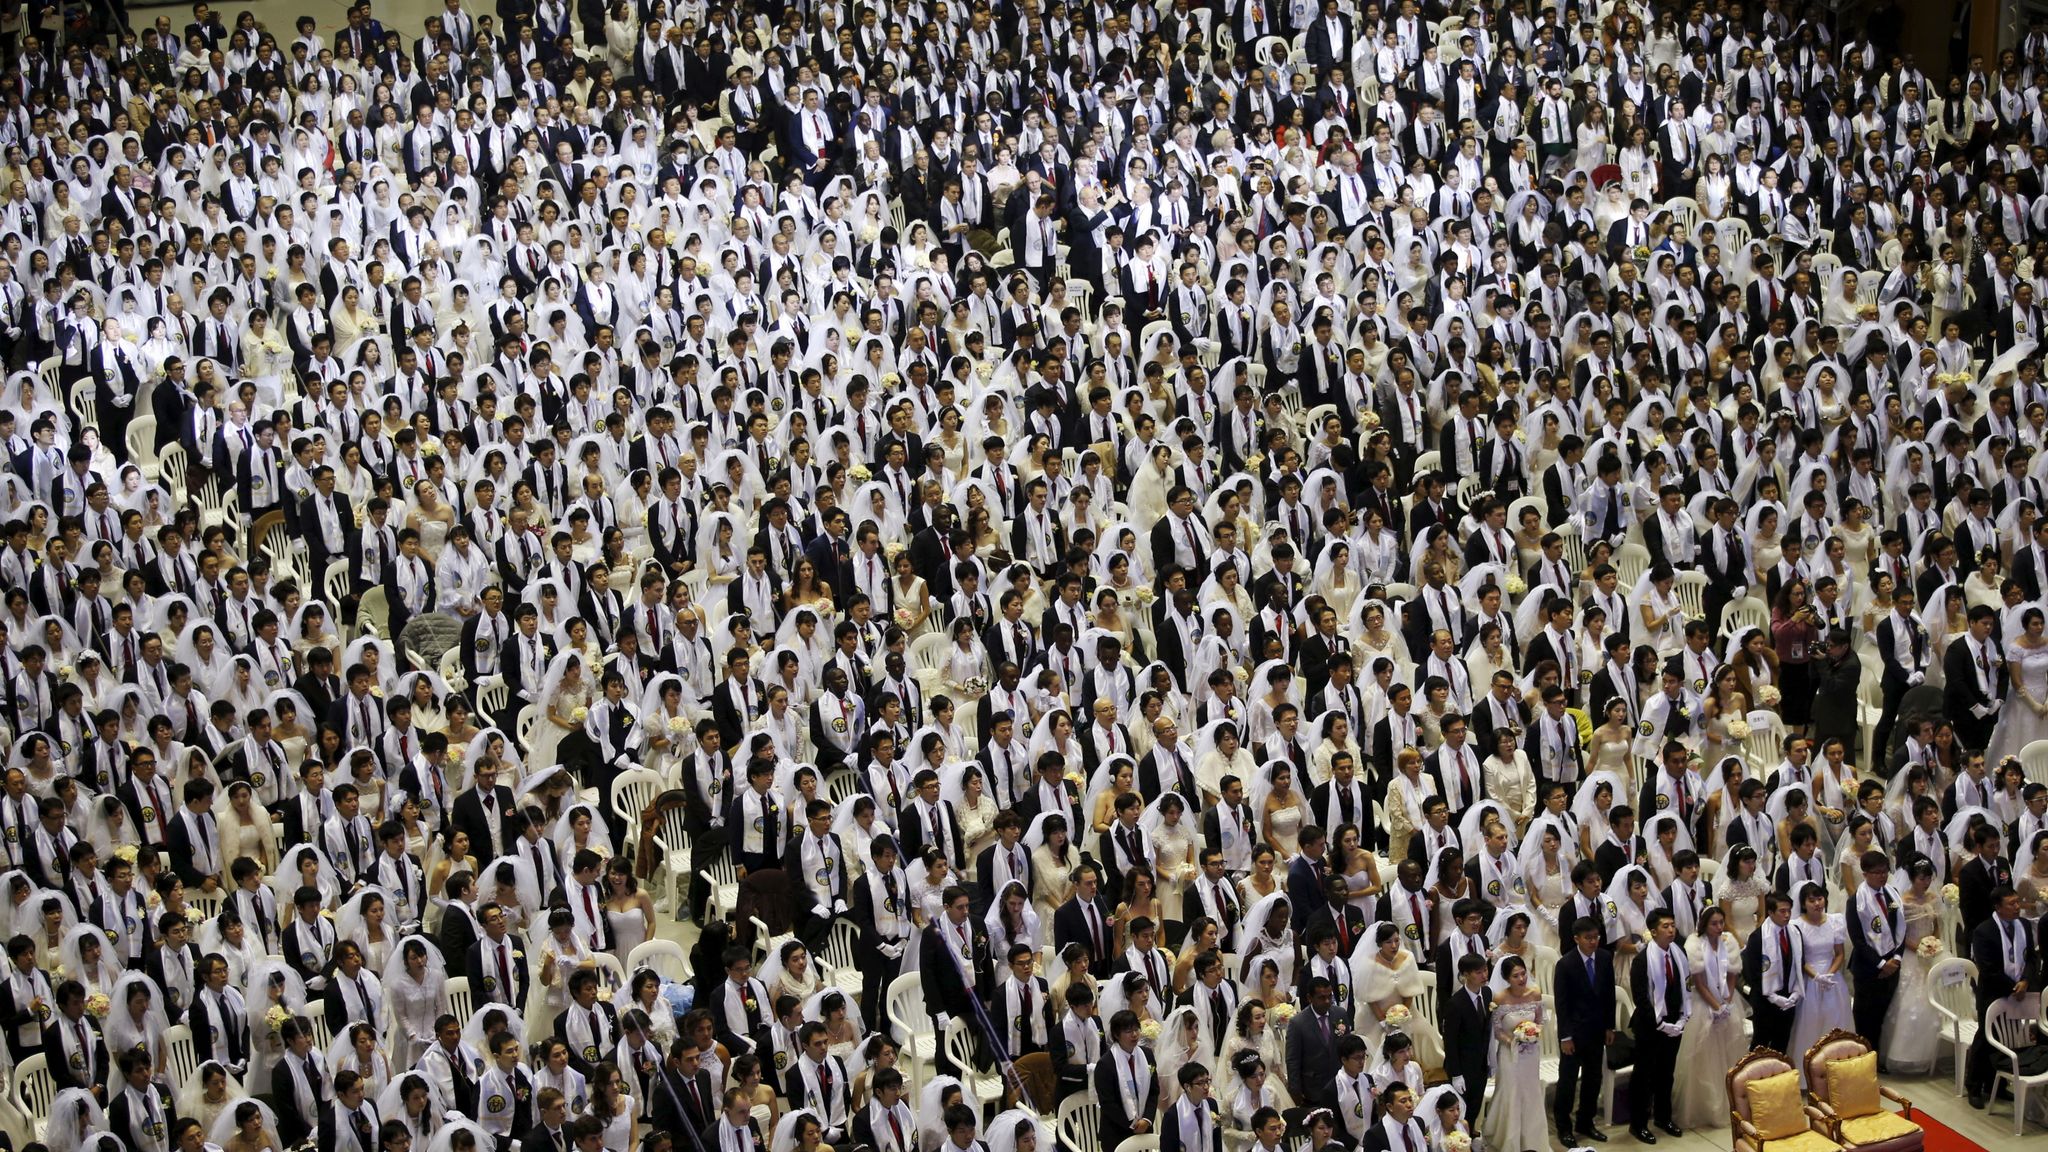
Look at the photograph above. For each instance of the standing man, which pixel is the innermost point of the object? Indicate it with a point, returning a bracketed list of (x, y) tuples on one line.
[(1585, 1027), (1877, 942), (1658, 981), (2007, 966)]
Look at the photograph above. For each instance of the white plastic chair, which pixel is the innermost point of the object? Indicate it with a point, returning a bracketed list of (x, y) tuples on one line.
[(674, 840), (459, 1002), (846, 972), (1078, 1124), (181, 1058), (2011, 1027), (35, 1090), (911, 1023), (1952, 989), (2034, 759), (665, 958), (982, 1086), (632, 792), (724, 878)]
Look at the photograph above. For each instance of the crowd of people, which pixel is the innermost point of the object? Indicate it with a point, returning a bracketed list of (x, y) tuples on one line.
[(1278, 564)]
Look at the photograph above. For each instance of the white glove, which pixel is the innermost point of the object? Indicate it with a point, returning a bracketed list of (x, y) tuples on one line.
[(124, 401), (1672, 1028), (839, 907), (1916, 679), (1458, 1084)]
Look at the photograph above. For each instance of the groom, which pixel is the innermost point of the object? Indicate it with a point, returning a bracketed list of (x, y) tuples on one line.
[(1877, 944), (1662, 1009), (1585, 1026)]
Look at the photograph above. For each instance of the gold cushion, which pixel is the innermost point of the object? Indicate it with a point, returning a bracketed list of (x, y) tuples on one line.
[(1877, 1128), (1806, 1140), (1775, 1108), (1852, 1086)]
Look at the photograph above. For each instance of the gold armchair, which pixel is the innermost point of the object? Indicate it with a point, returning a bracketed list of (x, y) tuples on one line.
[(1765, 1109), (1842, 1083)]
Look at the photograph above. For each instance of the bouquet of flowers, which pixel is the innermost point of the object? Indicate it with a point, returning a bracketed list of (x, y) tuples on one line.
[(99, 1004), (580, 715), (1951, 894), (1282, 1013), (1515, 586), (677, 725), (891, 380), (1768, 695), (456, 752), (1145, 594), (193, 915), (1930, 946), (860, 473), (1739, 728), (1254, 462), (1528, 1032), (975, 686), (903, 617), (1074, 778), (277, 1016), (1148, 1030), (67, 672), (1397, 1016), (126, 853), (1369, 420), (1456, 1141), (892, 550), (986, 370)]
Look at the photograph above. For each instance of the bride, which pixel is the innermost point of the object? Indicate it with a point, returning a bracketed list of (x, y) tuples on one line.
[(1713, 1038), (1516, 1119), (1912, 1032), (565, 697)]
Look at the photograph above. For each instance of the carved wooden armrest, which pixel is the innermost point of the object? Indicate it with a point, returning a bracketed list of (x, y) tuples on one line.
[(1905, 1105), (1746, 1130)]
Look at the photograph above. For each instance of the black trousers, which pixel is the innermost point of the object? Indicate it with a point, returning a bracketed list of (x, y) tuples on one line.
[(1773, 1025), (1982, 1067), (1649, 1086), (1873, 999), (1582, 1067)]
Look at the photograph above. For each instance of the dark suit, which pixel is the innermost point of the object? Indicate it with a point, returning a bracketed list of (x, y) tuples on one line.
[(1656, 1051), (1170, 1128), (1963, 692), (1070, 926), (1987, 951), (468, 815), (1873, 990), (1312, 1057), (1773, 1024), (1116, 1124), (71, 1066), (940, 973), (1468, 1036), (1585, 1017)]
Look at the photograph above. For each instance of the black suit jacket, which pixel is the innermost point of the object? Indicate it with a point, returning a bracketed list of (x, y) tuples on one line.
[(93, 1071), (1115, 1123), (1169, 1129), (468, 815), (1468, 1033), (1585, 1009), (939, 974), (1070, 926), (1987, 951)]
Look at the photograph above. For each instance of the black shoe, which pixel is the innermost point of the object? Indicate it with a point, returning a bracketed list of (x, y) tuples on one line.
[(1592, 1133), (1643, 1135), (1671, 1130), (1565, 1137), (1977, 1099)]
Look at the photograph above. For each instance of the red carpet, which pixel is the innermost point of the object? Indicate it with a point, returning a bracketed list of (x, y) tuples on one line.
[(1942, 1138)]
